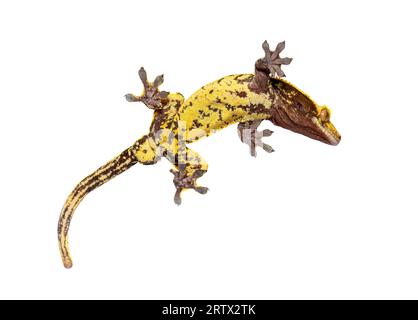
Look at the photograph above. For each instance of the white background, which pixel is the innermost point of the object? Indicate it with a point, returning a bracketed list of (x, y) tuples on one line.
[(308, 221)]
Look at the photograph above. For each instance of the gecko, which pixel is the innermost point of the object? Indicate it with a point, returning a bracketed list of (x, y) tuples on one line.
[(243, 99)]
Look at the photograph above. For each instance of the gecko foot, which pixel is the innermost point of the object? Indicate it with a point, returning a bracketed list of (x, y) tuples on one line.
[(152, 97), (273, 61), (268, 67), (182, 182), (249, 135)]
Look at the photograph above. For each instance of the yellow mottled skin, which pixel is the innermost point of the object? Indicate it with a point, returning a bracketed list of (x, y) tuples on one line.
[(211, 108), (229, 91)]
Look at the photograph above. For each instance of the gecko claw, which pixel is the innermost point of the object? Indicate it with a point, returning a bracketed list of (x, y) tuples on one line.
[(201, 190), (267, 148), (177, 196), (267, 133), (131, 97)]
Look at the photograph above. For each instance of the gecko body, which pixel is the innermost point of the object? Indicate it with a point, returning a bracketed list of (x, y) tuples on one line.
[(245, 99)]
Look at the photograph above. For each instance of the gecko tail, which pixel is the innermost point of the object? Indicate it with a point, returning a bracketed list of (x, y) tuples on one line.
[(106, 172)]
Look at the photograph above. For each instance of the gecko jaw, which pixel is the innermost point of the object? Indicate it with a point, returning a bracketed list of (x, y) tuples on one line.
[(328, 130)]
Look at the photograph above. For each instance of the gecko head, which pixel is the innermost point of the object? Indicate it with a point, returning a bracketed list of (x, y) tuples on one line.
[(151, 96), (297, 112)]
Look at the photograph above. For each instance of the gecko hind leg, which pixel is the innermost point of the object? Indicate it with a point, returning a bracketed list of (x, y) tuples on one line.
[(248, 133), (189, 168)]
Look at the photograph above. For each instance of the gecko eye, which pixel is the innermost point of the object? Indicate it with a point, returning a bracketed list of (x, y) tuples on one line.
[(299, 106), (324, 115)]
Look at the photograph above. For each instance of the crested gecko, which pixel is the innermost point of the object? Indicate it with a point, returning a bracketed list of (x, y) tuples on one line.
[(245, 99)]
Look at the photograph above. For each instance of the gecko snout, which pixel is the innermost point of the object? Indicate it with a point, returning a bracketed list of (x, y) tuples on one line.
[(325, 128)]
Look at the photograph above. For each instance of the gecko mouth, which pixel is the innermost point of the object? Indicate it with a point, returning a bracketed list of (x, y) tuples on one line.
[(328, 134), (322, 135)]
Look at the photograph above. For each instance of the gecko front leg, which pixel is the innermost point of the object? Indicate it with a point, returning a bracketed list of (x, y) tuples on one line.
[(248, 133)]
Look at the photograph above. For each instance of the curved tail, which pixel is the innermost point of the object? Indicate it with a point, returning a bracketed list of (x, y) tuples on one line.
[(111, 169)]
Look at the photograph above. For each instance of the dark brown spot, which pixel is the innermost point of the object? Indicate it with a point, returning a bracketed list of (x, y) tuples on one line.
[(220, 80), (220, 115), (229, 107), (214, 109), (197, 124)]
